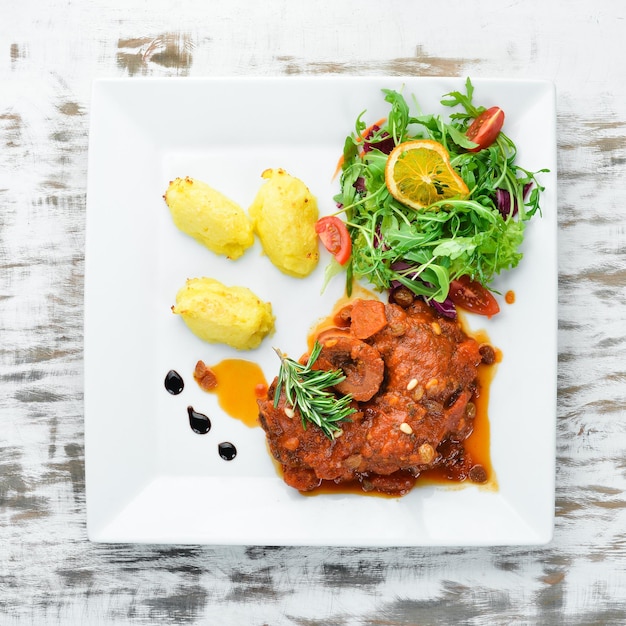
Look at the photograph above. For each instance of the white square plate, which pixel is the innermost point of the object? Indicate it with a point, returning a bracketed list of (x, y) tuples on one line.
[(149, 477)]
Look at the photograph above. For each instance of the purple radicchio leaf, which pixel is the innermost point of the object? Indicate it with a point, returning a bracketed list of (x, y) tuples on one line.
[(359, 185), (445, 308), (503, 201), (402, 266), (379, 241), (385, 144)]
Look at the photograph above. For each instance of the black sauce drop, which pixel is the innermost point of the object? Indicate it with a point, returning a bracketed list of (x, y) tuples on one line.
[(174, 382), (199, 422), (227, 450)]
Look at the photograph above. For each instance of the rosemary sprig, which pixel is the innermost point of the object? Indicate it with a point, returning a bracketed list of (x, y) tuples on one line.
[(306, 390)]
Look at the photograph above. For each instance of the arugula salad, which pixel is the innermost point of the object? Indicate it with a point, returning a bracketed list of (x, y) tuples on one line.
[(448, 250)]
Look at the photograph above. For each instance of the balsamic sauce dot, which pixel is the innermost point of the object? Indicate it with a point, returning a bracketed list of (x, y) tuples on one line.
[(199, 422), (174, 382), (227, 450)]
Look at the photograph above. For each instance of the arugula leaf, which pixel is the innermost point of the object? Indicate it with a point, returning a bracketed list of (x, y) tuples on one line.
[(456, 98), (399, 118)]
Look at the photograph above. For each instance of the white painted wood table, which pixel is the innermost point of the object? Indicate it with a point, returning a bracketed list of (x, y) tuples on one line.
[(49, 572)]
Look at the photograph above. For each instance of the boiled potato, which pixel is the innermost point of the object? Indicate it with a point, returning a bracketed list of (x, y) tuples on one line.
[(209, 217), (219, 314), (284, 214)]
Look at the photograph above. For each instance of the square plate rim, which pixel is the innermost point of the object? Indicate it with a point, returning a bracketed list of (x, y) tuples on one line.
[(100, 534)]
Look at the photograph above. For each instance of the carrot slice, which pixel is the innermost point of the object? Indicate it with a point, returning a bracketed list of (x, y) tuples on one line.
[(367, 318)]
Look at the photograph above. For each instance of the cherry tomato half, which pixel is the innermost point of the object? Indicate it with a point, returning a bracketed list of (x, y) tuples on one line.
[(335, 237), (472, 296), (485, 128)]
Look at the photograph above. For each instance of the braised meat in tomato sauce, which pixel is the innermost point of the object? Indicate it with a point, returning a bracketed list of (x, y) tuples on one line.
[(413, 378)]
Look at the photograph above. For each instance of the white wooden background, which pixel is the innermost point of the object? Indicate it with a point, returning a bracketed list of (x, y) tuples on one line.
[(49, 53)]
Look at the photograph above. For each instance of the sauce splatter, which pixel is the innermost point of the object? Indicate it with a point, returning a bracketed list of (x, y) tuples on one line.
[(238, 383), (509, 297)]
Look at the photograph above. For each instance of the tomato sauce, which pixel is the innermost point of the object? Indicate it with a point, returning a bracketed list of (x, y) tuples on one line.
[(476, 447)]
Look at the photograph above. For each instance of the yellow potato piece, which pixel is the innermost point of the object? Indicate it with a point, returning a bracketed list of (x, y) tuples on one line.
[(283, 215), (219, 314), (209, 217)]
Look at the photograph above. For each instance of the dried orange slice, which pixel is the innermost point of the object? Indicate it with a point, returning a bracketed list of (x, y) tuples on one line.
[(418, 173)]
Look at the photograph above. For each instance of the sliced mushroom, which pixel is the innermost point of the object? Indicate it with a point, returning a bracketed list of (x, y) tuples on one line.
[(360, 362)]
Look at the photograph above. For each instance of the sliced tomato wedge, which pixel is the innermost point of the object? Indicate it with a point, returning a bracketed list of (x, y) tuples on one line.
[(334, 234), (485, 128), (473, 297)]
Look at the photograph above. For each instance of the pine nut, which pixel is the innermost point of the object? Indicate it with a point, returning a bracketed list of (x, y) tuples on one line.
[(426, 453)]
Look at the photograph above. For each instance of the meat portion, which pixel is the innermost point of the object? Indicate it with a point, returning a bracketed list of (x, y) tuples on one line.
[(413, 382)]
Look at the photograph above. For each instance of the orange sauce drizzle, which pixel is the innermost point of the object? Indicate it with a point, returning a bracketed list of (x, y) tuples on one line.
[(239, 384)]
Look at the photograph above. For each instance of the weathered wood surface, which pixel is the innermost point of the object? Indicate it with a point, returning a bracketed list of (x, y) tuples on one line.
[(49, 572)]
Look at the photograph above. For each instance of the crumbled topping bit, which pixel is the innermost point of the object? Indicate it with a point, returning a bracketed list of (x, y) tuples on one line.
[(205, 376)]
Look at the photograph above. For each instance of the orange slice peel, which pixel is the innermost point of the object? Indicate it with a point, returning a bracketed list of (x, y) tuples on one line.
[(418, 173)]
